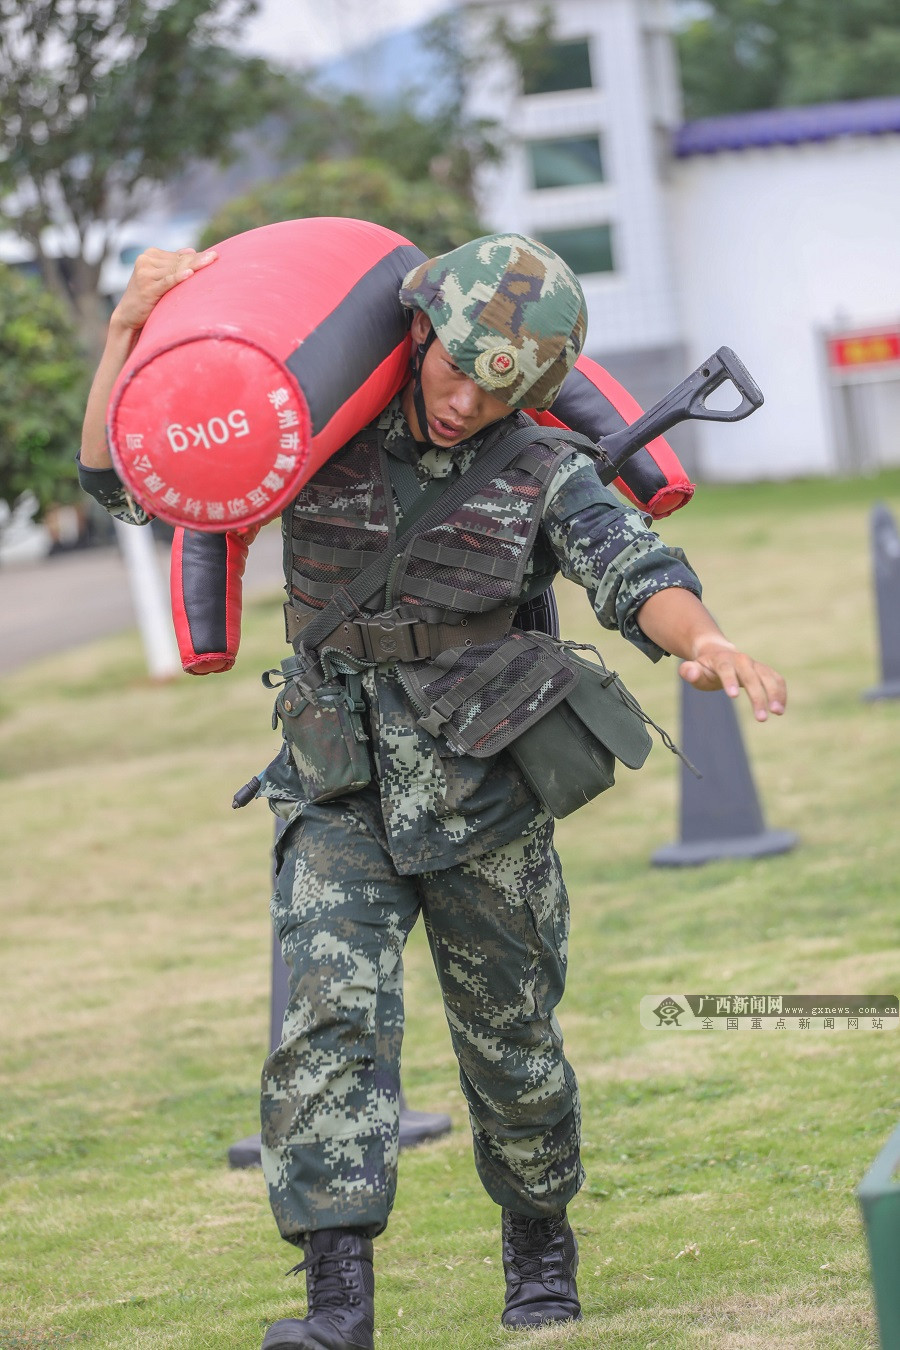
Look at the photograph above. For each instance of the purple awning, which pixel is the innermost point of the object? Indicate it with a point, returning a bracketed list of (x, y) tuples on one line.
[(787, 126)]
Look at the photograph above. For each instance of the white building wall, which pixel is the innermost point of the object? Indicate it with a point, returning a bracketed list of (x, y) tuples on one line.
[(771, 246), (634, 105)]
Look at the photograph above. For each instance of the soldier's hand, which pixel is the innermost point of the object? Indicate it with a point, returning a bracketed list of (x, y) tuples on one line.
[(717, 664), (155, 273)]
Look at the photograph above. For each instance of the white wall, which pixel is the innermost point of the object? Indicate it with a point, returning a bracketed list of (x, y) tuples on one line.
[(771, 245)]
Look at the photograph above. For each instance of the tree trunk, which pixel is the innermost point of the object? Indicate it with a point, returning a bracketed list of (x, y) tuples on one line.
[(75, 281), (52, 274), (90, 308)]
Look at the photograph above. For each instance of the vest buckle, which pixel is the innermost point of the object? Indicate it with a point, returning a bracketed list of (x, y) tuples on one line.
[(387, 638)]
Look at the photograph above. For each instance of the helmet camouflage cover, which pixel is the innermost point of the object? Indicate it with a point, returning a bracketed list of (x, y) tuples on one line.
[(509, 312)]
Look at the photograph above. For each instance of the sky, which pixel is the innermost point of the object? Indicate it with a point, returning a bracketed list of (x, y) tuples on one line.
[(308, 32)]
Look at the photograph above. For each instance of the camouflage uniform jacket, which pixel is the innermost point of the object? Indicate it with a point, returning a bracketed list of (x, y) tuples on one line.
[(440, 807)]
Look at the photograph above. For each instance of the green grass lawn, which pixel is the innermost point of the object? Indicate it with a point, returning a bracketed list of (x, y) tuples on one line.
[(718, 1210)]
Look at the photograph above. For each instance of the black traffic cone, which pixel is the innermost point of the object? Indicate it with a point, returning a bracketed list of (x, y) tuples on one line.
[(416, 1127), (720, 812), (886, 572)]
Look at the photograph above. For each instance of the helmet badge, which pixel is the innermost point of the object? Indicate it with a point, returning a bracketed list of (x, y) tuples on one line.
[(497, 368)]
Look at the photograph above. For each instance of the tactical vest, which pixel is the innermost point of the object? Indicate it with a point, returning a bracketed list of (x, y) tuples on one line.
[(478, 695)]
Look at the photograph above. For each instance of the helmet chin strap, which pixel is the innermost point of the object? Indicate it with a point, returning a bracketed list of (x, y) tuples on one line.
[(416, 363)]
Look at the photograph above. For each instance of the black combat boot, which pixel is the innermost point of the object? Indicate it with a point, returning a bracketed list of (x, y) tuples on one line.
[(340, 1289), (540, 1258)]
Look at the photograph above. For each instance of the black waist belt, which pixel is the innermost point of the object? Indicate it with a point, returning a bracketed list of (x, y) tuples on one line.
[(380, 638)]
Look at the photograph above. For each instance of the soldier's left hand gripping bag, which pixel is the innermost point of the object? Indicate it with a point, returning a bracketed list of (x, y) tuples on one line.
[(324, 731)]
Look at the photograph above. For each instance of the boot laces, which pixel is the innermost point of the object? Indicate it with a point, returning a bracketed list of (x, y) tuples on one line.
[(536, 1250), (331, 1275)]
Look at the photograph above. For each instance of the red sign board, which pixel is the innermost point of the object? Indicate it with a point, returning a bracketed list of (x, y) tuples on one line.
[(858, 351)]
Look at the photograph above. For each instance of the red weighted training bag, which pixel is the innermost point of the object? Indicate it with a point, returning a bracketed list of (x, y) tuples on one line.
[(251, 373)]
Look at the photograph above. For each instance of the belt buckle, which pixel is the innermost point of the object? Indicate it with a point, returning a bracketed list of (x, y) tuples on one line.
[(387, 638)]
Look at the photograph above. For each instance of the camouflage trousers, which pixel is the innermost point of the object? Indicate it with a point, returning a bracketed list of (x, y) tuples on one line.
[(498, 928)]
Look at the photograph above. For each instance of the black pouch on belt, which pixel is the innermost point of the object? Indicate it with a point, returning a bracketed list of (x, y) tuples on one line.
[(324, 731)]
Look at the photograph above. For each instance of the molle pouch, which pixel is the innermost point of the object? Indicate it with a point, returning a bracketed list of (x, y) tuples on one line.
[(324, 731), (569, 755)]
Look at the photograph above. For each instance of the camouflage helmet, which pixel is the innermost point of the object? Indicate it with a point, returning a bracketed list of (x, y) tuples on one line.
[(509, 312)]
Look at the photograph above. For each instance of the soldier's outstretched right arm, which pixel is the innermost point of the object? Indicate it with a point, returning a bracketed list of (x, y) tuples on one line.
[(646, 588)]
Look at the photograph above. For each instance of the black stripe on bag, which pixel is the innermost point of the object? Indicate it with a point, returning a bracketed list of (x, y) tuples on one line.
[(585, 408), (353, 340), (204, 583)]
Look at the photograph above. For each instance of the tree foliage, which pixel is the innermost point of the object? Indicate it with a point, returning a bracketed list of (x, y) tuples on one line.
[(433, 216), (410, 163), (100, 102), (416, 143), (423, 132), (43, 386), (743, 54)]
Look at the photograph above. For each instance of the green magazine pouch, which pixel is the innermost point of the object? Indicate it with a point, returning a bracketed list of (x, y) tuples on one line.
[(324, 731), (569, 755)]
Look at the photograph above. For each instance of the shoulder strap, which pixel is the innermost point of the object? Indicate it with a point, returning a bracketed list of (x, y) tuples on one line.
[(491, 459), (414, 497), (563, 436)]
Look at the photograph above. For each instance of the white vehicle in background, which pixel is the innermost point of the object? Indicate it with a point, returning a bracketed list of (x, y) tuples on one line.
[(171, 232)]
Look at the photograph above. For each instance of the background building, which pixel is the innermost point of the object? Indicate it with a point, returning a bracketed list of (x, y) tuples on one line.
[(586, 170), (773, 233), (787, 247)]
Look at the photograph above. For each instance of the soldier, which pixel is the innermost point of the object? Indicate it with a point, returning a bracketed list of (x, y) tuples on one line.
[(422, 826)]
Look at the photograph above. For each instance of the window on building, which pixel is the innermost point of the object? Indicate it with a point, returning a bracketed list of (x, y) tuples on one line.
[(587, 248), (567, 161), (561, 65)]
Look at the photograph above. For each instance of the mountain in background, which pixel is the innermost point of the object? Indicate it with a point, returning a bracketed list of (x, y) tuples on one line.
[(381, 71)]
